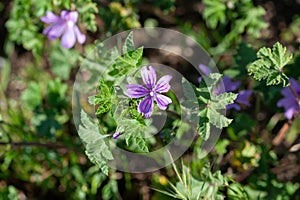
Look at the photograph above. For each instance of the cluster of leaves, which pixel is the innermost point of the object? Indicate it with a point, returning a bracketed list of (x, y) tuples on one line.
[(211, 105), (49, 107), (21, 27), (24, 25), (241, 16), (129, 121), (44, 108), (270, 64), (96, 144), (206, 185), (118, 17)]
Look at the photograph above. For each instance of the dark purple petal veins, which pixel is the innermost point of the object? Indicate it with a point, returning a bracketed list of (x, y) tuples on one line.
[(146, 107), (136, 91), (149, 76), (162, 101), (163, 84)]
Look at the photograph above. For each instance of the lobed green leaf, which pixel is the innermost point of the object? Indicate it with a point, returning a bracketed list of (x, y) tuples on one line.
[(270, 64)]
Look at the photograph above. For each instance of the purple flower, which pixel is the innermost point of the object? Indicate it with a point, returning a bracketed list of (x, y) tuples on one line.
[(151, 91), (290, 102), (116, 135), (64, 26), (229, 86)]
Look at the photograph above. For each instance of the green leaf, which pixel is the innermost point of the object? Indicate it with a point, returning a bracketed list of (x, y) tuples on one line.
[(214, 12), (245, 54), (5, 69), (62, 61), (221, 146), (56, 94), (270, 64), (134, 133), (204, 125), (96, 144), (209, 82), (32, 96), (217, 119), (87, 10), (211, 105), (46, 125), (127, 62), (129, 45), (222, 100), (104, 99)]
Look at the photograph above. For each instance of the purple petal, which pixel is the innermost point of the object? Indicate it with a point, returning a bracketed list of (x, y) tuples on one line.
[(230, 86), (146, 107), (116, 135), (47, 30), (68, 39), (199, 79), (50, 18), (56, 31), (72, 16), (204, 69), (136, 91), (163, 84), (162, 101), (243, 97), (287, 103), (286, 92), (64, 14), (233, 106), (289, 113), (295, 86), (80, 37), (149, 76)]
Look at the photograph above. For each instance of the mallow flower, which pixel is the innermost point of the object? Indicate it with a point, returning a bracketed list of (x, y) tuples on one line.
[(229, 86), (291, 99), (151, 91), (63, 26), (116, 135)]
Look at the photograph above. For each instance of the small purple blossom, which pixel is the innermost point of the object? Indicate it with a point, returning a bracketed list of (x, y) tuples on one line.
[(151, 91), (63, 26), (116, 135), (229, 86), (290, 102)]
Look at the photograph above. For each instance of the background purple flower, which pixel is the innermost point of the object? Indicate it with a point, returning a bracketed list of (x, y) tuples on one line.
[(290, 102), (152, 92), (64, 26), (229, 86), (116, 135)]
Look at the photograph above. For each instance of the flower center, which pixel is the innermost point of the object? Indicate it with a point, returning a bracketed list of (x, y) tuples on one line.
[(70, 24), (151, 93)]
